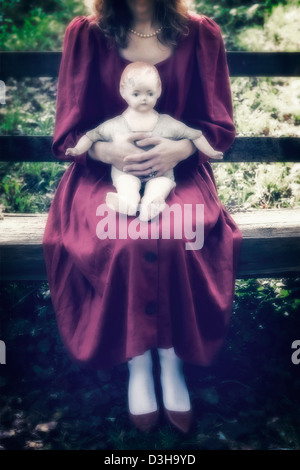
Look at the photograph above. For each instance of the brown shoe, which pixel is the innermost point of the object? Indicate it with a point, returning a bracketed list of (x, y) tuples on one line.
[(145, 422), (182, 420)]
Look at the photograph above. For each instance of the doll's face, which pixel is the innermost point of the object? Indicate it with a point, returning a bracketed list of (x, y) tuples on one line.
[(141, 93)]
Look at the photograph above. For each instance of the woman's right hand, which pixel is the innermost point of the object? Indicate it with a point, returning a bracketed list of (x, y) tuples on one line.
[(114, 152)]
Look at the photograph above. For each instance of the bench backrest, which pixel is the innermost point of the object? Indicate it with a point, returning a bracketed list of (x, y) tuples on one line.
[(241, 64)]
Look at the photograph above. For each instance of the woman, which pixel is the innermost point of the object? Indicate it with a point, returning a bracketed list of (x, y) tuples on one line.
[(117, 300)]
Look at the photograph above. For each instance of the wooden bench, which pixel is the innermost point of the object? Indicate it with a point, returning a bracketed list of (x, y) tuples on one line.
[(271, 245)]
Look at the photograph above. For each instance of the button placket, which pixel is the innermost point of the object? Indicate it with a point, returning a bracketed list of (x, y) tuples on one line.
[(151, 308), (150, 265), (150, 256)]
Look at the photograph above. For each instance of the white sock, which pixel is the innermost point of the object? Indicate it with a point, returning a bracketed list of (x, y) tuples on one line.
[(141, 392), (175, 392)]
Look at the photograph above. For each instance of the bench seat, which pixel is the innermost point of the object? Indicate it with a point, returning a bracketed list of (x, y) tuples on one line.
[(270, 248)]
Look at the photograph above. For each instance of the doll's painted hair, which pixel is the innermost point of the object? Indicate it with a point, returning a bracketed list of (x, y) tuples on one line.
[(138, 70)]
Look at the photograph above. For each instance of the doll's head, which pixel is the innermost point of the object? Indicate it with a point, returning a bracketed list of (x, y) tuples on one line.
[(140, 86)]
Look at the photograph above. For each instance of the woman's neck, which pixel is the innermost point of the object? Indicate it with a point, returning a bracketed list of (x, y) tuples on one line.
[(144, 27), (143, 14)]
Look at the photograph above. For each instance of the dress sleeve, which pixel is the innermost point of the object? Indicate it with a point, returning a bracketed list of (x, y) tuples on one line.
[(73, 90), (215, 109)]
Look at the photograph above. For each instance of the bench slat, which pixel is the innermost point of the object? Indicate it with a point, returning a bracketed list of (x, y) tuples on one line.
[(245, 149), (241, 64), (271, 245)]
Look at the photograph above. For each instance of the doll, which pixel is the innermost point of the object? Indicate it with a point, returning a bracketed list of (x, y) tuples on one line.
[(140, 87)]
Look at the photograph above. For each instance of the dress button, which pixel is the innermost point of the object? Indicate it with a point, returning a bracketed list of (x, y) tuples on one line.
[(151, 308), (150, 256)]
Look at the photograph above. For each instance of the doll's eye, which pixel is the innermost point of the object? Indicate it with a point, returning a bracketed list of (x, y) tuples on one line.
[(135, 94), (150, 93)]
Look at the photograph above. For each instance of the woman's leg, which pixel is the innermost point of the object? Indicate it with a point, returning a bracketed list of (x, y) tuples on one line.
[(141, 393), (143, 409), (175, 393), (176, 397)]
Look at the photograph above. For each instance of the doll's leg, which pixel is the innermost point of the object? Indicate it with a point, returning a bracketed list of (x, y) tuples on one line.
[(155, 195), (174, 390), (203, 145), (142, 404), (127, 197)]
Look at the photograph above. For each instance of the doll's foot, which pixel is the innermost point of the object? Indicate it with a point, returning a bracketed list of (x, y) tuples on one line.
[(122, 205), (150, 209)]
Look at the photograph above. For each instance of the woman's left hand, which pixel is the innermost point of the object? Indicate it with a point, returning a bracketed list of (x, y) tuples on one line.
[(164, 156)]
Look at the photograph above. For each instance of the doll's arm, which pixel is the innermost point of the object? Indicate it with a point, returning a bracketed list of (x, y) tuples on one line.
[(104, 132), (83, 145), (203, 145), (178, 130)]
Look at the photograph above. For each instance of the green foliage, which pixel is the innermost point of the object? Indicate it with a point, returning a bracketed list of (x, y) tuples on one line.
[(36, 25), (235, 182), (28, 187), (234, 15), (269, 311), (39, 32), (261, 107), (258, 185), (280, 31), (29, 108), (277, 185), (266, 106)]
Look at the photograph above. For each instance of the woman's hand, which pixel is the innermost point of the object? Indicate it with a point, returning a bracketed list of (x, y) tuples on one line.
[(114, 153), (164, 156)]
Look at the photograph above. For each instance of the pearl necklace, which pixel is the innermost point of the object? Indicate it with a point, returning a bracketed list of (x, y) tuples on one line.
[(141, 35)]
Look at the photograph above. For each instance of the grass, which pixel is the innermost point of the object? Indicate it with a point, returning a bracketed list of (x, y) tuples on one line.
[(246, 400), (267, 106), (28, 187), (262, 106)]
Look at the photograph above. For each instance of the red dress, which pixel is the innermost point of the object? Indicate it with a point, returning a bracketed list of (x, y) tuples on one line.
[(116, 298)]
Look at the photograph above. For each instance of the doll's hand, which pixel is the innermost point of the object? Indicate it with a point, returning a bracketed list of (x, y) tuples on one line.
[(216, 155), (164, 156), (115, 152), (72, 151)]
